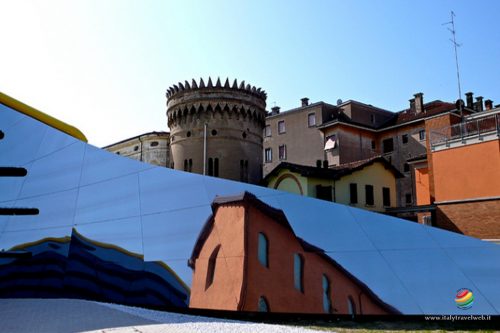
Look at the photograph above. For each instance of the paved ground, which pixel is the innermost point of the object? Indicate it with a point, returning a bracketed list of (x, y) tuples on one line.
[(64, 315)]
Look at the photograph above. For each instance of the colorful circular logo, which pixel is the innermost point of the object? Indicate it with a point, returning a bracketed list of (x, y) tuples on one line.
[(464, 298)]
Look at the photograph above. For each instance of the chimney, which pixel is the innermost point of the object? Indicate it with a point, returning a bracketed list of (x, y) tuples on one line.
[(412, 105), (479, 104), (305, 101), (275, 110), (470, 100), (488, 104), (419, 103)]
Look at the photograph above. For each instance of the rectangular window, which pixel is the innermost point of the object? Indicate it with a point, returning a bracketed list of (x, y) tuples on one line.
[(421, 135), (386, 195), (353, 190), (408, 199), (372, 118), (269, 155), (406, 167), (387, 145), (267, 131), (282, 152), (373, 145), (324, 192), (404, 138), (427, 220), (311, 119), (281, 127), (369, 195)]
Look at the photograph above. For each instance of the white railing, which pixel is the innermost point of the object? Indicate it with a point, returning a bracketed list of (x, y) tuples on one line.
[(469, 129)]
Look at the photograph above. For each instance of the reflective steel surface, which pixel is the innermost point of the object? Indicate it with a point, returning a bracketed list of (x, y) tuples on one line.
[(105, 215)]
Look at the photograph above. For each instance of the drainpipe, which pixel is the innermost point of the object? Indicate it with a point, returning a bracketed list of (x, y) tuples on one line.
[(140, 140), (205, 149)]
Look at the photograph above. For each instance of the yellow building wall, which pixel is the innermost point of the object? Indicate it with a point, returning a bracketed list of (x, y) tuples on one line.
[(312, 182), (377, 176), (289, 182)]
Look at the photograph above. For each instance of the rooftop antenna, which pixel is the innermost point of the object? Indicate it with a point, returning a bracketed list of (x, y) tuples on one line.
[(455, 45)]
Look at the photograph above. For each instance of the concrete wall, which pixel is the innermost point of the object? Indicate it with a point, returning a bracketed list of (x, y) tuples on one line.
[(353, 144), (400, 155), (304, 144), (362, 113), (153, 148)]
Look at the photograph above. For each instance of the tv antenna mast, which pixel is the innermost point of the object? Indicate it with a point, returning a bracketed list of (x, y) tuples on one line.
[(455, 45)]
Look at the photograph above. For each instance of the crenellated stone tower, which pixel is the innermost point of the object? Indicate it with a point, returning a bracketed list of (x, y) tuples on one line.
[(217, 128)]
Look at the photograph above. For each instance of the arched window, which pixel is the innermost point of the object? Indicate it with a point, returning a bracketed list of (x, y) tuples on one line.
[(216, 167), (185, 165), (327, 302), (263, 305), (210, 166), (298, 272), (212, 261), (263, 248), (351, 306), (190, 165)]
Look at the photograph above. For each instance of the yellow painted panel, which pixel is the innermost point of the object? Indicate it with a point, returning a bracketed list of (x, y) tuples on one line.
[(40, 116)]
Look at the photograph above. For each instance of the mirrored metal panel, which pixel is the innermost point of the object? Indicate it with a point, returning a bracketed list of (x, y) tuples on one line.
[(374, 271), (326, 225), (9, 117), (21, 142), (171, 235), (47, 176), (475, 264), (108, 200), (100, 165), (125, 233), (55, 210), (446, 280), (165, 190), (390, 233)]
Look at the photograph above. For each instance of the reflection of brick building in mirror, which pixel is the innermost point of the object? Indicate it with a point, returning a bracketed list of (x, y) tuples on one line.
[(247, 258)]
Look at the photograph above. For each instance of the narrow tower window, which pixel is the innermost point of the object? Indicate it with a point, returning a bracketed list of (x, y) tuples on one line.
[(216, 167), (210, 166)]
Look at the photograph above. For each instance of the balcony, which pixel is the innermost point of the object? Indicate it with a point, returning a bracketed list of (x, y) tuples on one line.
[(473, 130)]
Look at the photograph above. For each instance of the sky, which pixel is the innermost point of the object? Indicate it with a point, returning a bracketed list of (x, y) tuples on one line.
[(103, 66)]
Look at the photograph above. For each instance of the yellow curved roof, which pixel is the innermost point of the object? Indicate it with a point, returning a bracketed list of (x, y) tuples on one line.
[(40, 116)]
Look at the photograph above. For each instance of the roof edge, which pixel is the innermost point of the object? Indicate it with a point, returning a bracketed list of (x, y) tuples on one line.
[(42, 117)]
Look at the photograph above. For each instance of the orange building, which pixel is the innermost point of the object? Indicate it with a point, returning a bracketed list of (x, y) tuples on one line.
[(460, 175), (247, 258)]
